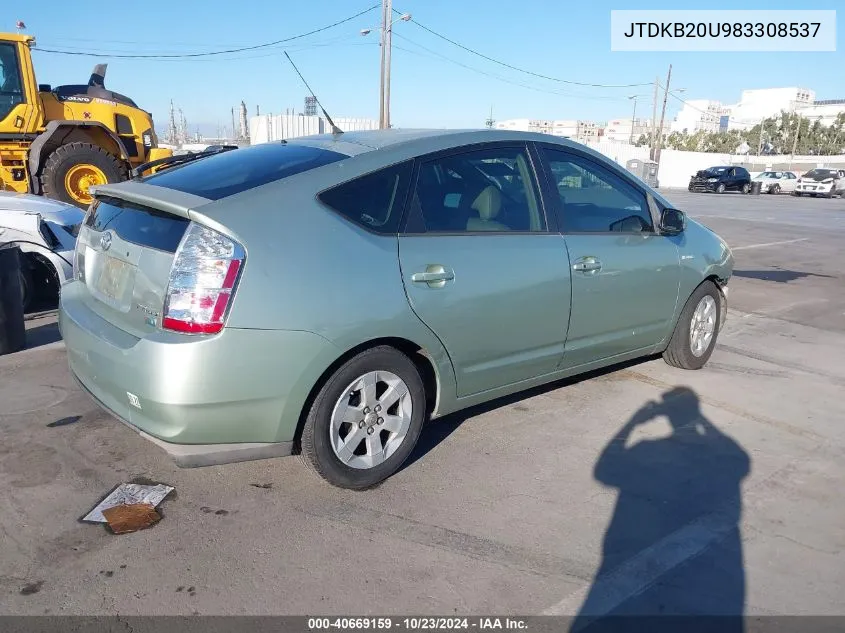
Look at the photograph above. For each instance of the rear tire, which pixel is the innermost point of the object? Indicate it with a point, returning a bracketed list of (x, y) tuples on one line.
[(681, 352), (746, 188), (54, 176), (324, 437)]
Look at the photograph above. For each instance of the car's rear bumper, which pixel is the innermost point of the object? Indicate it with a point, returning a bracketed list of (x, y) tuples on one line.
[(241, 387)]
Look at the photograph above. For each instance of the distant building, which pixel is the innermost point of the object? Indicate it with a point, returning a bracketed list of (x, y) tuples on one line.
[(619, 130), (698, 115), (756, 105), (580, 131), (825, 112)]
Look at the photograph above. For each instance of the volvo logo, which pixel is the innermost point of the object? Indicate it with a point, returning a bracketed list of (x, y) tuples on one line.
[(105, 241)]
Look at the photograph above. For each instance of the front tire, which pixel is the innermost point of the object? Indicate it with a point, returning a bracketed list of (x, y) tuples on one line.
[(774, 189), (720, 188), (72, 169), (365, 420), (695, 334)]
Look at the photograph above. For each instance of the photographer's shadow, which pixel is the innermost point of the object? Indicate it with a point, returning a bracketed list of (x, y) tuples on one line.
[(673, 546)]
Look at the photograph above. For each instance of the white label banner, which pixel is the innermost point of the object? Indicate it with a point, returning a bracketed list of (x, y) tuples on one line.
[(723, 30)]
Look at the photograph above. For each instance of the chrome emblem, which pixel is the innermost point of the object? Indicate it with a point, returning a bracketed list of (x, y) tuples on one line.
[(105, 241)]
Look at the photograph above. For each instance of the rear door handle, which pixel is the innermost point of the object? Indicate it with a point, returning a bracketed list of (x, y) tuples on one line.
[(586, 264), (435, 276)]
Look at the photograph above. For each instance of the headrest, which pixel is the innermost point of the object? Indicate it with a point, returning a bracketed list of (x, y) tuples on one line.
[(488, 203)]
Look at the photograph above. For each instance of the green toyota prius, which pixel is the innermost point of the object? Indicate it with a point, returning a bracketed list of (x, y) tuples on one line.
[(327, 295)]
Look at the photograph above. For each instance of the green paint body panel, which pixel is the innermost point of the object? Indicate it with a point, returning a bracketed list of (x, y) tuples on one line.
[(315, 286)]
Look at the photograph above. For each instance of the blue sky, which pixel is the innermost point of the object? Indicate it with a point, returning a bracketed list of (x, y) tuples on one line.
[(431, 86)]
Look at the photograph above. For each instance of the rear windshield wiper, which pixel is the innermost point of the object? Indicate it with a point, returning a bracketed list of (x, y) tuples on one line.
[(174, 160)]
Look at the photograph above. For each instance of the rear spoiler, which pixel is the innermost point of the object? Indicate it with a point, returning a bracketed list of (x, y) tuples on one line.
[(161, 198)]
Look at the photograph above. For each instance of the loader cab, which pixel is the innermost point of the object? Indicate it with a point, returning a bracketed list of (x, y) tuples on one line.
[(21, 113)]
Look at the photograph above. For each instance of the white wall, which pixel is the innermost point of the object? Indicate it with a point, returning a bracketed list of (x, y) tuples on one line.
[(676, 167), (269, 127)]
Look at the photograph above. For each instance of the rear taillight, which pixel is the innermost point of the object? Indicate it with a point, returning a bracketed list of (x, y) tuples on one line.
[(202, 283), (79, 260)]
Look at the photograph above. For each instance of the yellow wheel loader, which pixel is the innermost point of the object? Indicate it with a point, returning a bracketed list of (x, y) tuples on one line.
[(59, 141)]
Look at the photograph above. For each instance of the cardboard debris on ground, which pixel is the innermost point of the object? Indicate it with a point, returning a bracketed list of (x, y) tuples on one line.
[(123, 519), (127, 495)]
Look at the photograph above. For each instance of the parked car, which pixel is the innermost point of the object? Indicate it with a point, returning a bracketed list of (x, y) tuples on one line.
[(328, 294), (821, 182), (777, 181), (46, 231), (721, 179)]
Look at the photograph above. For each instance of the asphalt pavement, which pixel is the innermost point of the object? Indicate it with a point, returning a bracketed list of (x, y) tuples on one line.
[(642, 489)]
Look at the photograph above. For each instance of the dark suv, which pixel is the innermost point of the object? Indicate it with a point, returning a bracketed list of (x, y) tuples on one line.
[(721, 179)]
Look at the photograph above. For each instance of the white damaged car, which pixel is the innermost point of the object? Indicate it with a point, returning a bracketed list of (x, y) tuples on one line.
[(46, 232), (821, 181)]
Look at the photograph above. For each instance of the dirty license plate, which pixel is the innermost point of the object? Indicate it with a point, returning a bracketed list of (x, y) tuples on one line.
[(112, 277)]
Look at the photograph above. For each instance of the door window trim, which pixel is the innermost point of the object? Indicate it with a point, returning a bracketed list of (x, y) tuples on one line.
[(555, 202), (413, 223)]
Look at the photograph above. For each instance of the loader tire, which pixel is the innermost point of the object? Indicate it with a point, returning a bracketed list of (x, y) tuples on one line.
[(72, 168)]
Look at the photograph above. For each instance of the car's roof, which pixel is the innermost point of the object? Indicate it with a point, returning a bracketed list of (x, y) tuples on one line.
[(353, 143)]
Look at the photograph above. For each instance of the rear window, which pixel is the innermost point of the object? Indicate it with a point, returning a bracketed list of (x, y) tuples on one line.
[(235, 171), (375, 200), (137, 224)]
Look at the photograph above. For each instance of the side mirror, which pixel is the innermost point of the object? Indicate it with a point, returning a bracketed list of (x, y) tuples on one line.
[(672, 222)]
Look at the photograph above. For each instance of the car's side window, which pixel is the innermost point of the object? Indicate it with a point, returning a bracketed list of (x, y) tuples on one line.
[(487, 190), (375, 200), (595, 200)]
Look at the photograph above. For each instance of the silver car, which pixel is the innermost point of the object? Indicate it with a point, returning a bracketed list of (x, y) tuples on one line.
[(45, 230)]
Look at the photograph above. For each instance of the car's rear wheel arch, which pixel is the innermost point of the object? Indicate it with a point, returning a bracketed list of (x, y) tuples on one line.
[(414, 352)]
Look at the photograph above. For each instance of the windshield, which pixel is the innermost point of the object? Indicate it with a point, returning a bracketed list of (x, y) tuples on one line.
[(716, 170), (11, 93), (770, 174), (820, 173)]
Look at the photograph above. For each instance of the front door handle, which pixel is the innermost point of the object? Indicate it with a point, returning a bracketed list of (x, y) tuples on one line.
[(435, 276), (586, 264)]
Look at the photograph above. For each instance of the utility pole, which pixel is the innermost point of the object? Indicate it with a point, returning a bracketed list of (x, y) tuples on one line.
[(490, 122), (662, 117), (385, 18), (760, 144), (653, 119), (633, 116), (387, 47), (233, 122)]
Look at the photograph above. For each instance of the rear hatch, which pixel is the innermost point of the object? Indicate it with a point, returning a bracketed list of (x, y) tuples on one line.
[(124, 254), (146, 254)]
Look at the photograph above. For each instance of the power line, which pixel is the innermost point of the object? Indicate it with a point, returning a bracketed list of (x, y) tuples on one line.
[(209, 53), (492, 75), (116, 51), (516, 68)]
